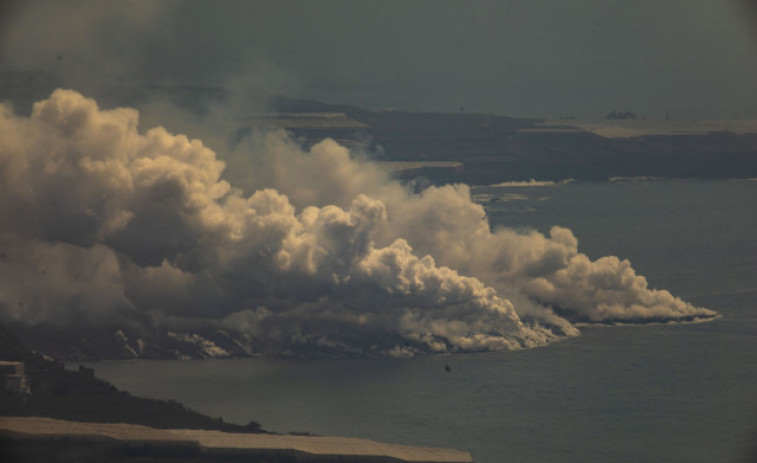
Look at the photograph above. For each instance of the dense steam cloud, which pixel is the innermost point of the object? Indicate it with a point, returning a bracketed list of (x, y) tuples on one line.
[(103, 224)]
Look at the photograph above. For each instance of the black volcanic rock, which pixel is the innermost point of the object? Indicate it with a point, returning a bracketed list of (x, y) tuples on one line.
[(78, 395)]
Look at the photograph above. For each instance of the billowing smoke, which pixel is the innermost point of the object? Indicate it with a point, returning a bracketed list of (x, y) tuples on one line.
[(101, 223)]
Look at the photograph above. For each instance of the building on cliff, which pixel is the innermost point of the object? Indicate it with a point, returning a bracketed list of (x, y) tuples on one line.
[(14, 378)]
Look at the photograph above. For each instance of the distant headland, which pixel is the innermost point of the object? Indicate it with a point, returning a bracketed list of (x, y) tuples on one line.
[(484, 148)]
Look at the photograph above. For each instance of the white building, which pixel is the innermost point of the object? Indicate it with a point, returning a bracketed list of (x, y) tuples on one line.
[(14, 378)]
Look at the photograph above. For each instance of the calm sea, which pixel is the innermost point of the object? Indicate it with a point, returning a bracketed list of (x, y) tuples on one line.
[(665, 393)]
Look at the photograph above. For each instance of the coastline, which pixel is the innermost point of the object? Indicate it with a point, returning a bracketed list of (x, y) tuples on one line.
[(125, 442)]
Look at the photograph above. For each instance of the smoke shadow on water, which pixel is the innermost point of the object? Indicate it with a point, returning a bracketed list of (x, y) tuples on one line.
[(598, 396), (667, 392)]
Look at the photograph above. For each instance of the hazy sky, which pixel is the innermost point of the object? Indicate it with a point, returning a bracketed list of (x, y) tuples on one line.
[(689, 58), (104, 221)]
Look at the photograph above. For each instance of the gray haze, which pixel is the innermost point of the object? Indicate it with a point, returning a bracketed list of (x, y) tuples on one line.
[(686, 58), (103, 223), (106, 218)]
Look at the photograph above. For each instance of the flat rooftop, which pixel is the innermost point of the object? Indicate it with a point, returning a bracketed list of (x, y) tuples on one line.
[(212, 441), (630, 128)]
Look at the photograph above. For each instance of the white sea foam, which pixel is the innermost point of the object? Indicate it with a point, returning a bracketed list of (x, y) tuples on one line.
[(531, 183)]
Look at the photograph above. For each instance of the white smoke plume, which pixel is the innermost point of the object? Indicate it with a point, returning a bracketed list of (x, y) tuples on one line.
[(102, 223)]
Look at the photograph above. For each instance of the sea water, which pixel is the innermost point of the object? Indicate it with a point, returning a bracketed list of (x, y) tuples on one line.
[(661, 393)]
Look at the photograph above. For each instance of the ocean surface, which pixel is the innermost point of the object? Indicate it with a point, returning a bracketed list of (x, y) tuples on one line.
[(661, 393)]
